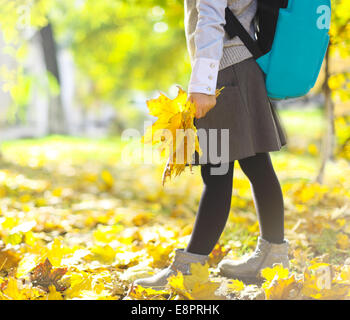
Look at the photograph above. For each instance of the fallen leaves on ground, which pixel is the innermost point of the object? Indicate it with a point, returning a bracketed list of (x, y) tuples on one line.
[(85, 229)]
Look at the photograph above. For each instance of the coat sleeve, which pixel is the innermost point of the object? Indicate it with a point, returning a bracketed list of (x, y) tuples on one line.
[(208, 38)]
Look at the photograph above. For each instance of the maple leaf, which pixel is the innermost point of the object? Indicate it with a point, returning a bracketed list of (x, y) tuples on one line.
[(174, 131), (217, 254), (53, 294), (235, 285), (345, 275), (176, 283), (27, 264), (44, 276), (8, 260), (12, 291), (205, 291), (277, 272), (77, 283), (196, 285), (199, 274), (278, 284), (281, 289), (140, 293)]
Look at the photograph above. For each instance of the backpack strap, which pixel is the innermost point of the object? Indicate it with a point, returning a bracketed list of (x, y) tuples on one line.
[(234, 28)]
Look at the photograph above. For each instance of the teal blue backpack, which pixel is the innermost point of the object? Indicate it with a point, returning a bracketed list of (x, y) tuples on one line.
[(290, 43)]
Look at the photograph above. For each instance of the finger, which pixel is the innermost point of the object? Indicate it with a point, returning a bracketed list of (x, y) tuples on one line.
[(198, 113)]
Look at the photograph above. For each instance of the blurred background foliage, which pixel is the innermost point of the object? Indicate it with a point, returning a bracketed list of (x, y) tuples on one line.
[(125, 52), (118, 47)]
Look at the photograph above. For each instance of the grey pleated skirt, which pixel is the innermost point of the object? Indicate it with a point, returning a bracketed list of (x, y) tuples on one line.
[(243, 108)]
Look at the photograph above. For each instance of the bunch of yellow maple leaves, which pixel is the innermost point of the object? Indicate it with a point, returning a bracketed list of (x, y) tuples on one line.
[(174, 131)]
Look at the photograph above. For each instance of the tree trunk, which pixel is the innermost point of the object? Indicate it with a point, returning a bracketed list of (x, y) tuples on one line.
[(328, 143), (56, 121)]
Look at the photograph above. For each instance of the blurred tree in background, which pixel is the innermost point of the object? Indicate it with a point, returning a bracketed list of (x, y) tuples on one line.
[(122, 46), (336, 87), (119, 47)]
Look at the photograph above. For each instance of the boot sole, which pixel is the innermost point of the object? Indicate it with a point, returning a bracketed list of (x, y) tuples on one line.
[(245, 279), (151, 287)]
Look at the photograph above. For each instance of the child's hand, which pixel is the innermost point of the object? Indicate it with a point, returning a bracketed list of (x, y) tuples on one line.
[(203, 103)]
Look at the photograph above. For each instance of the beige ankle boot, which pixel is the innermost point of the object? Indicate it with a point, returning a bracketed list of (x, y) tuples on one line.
[(181, 262), (265, 255)]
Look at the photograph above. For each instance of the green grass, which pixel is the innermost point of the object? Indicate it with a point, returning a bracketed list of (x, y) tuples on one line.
[(303, 122), (56, 147), (299, 124)]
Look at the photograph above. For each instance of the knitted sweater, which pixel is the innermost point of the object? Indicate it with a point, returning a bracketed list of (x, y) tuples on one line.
[(209, 46)]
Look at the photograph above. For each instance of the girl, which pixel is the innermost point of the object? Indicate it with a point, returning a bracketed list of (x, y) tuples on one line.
[(254, 130)]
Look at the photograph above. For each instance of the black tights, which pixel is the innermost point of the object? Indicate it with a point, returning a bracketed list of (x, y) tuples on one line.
[(215, 203)]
